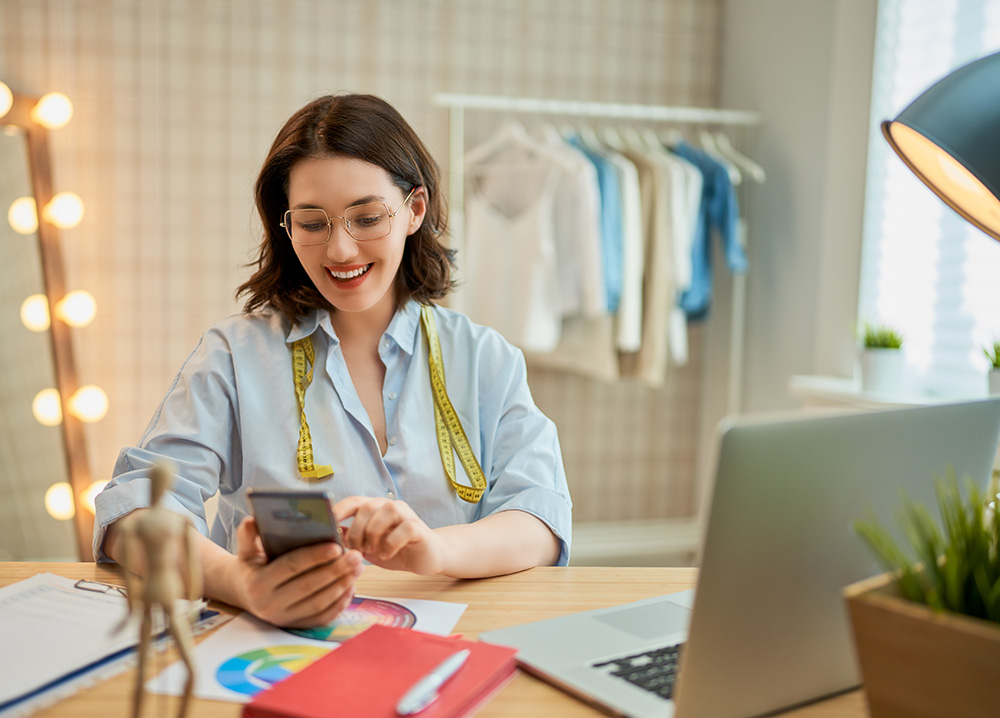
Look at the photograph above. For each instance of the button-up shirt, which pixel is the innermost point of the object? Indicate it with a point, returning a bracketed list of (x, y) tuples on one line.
[(230, 421)]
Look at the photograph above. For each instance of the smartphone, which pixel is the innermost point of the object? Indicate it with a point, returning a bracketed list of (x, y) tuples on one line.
[(288, 519)]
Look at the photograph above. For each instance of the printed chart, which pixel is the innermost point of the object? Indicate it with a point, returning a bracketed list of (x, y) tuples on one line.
[(363, 613), (253, 671)]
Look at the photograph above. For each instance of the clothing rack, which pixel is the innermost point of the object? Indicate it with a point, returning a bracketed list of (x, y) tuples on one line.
[(457, 104)]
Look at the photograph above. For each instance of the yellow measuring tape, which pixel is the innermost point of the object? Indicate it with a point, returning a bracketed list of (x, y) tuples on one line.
[(451, 436), (303, 360)]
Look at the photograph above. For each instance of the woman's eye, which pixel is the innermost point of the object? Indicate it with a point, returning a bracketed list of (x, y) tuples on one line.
[(368, 220), (312, 226)]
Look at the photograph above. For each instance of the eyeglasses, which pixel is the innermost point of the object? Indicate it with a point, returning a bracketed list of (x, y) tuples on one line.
[(98, 587), (364, 222)]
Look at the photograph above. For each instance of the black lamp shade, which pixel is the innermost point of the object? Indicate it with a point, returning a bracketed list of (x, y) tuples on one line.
[(950, 137)]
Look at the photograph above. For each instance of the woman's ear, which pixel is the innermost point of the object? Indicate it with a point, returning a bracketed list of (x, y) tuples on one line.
[(418, 209)]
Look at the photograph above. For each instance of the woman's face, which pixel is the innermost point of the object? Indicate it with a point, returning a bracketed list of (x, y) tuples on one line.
[(353, 275)]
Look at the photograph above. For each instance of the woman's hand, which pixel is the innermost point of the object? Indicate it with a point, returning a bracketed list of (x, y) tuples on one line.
[(306, 587), (390, 534)]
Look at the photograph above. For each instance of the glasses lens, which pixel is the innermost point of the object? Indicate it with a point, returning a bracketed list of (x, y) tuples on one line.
[(368, 221), (307, 226)]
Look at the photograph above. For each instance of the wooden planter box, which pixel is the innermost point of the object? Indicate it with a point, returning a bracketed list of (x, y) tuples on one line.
[(918, 663)]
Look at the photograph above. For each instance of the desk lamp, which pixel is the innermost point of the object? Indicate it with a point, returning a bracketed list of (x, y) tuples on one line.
[(950, 137)]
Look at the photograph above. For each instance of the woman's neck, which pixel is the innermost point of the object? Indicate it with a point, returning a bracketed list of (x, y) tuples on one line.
[(363, 328)]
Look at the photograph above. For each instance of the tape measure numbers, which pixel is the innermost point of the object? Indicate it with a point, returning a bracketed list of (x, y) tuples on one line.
[(451, 436), (303, 360)]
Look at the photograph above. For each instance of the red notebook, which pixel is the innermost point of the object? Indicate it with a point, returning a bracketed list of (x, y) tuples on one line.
[(367, 675)]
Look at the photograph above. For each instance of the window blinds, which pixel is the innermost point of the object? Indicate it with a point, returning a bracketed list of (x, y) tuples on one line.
[(924, 270)]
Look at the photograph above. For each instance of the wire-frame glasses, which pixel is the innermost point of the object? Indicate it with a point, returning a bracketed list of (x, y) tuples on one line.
[(363, 222)]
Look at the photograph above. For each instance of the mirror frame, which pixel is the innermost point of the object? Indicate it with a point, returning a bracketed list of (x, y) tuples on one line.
[(60, 333)]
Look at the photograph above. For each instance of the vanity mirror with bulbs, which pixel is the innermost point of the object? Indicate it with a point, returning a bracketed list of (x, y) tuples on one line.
[(44, 475)]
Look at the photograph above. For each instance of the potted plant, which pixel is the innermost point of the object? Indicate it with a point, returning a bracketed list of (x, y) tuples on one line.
[(927, 633), (881, 359), (993, 354)]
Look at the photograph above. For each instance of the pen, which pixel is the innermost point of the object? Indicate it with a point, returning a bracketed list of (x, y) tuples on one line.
[(425, 691)]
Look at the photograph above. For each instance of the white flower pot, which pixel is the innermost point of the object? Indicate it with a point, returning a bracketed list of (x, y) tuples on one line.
[(882, 371), (994, 381)]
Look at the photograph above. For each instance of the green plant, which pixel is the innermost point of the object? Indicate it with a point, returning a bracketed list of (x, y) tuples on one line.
[(879, 336), (993, 354), (957, 569)]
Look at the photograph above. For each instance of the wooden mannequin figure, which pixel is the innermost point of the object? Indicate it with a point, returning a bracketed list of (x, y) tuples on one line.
[(157, 534)]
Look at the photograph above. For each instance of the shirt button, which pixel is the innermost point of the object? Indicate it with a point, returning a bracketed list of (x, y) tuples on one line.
[(392, 440), (388, 494), (392, 395)]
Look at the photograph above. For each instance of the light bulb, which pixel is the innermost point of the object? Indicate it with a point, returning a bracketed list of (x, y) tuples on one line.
[(6, 99), (89, 403), (64, 210), (52, 111), (59, 501), (47, 407), (77, 308), (23, 215), (35, 313), (90, 493)]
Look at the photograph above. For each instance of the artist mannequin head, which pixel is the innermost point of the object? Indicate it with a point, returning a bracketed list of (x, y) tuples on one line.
[(333, 152)]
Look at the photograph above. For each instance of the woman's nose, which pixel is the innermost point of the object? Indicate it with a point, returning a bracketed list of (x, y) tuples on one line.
[(342, 246)]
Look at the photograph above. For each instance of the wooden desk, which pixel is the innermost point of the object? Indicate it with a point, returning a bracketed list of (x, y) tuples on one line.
[(492, 603)]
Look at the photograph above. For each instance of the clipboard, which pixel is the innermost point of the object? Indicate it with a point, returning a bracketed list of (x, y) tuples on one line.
[(67, 640)]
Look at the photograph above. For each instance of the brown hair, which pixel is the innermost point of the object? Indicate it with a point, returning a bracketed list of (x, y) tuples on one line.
[(370, 129)]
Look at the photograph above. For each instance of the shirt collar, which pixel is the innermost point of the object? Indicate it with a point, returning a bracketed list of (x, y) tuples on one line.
[(403, 329), (307, 325)]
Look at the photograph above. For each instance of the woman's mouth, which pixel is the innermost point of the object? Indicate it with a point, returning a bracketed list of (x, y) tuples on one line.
[(348, 275)]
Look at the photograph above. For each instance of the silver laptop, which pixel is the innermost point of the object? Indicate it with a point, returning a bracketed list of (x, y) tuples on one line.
[(767, 627)]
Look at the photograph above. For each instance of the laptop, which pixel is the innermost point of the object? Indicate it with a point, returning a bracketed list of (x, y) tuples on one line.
[(767, 627)]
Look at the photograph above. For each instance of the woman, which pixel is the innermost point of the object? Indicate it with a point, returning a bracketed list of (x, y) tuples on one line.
[(324, 382)]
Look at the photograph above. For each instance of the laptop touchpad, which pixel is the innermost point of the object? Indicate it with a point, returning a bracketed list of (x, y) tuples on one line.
[(652, 619)]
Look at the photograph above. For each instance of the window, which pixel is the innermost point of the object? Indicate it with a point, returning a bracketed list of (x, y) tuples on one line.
[(924, 270)]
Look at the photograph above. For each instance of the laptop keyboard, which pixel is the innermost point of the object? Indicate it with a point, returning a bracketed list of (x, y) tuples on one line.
[(654, 670)]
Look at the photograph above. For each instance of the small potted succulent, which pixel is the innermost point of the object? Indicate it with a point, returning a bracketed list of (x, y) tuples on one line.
[(881, 359), (927, 633), (993, 377)]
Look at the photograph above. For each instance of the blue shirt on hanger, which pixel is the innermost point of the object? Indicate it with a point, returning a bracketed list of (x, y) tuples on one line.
[(612, 239), (720, 210)]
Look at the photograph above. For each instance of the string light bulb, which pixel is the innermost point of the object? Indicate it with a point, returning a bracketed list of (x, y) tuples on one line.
[(23, 215), (52, 111), (77, 308), (6, 99), (35, 313), (90, 493), (88, 403), (59, 501), (47, 407), (64, 210)]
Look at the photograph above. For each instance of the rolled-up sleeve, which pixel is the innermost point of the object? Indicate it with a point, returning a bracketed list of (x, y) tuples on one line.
[(522, 457), (194, 429)]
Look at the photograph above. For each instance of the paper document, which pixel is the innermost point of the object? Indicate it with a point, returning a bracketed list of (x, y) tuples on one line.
[(248, 655), (58, 638), (51, 629)]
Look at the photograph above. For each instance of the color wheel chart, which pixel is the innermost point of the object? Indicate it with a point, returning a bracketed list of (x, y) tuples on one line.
[(251, 672), (363, 613)]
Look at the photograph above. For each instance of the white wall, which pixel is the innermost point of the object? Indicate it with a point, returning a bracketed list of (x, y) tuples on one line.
[(806, 67)]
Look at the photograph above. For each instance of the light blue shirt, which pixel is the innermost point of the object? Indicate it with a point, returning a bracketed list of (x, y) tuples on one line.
[(612, 233), (230, 421)]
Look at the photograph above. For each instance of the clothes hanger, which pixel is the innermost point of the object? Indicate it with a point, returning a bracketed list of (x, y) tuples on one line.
[(753, 169), (510, 134), (708, 144)]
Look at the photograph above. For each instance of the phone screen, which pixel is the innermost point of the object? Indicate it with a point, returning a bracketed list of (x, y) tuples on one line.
[(287, 520)]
